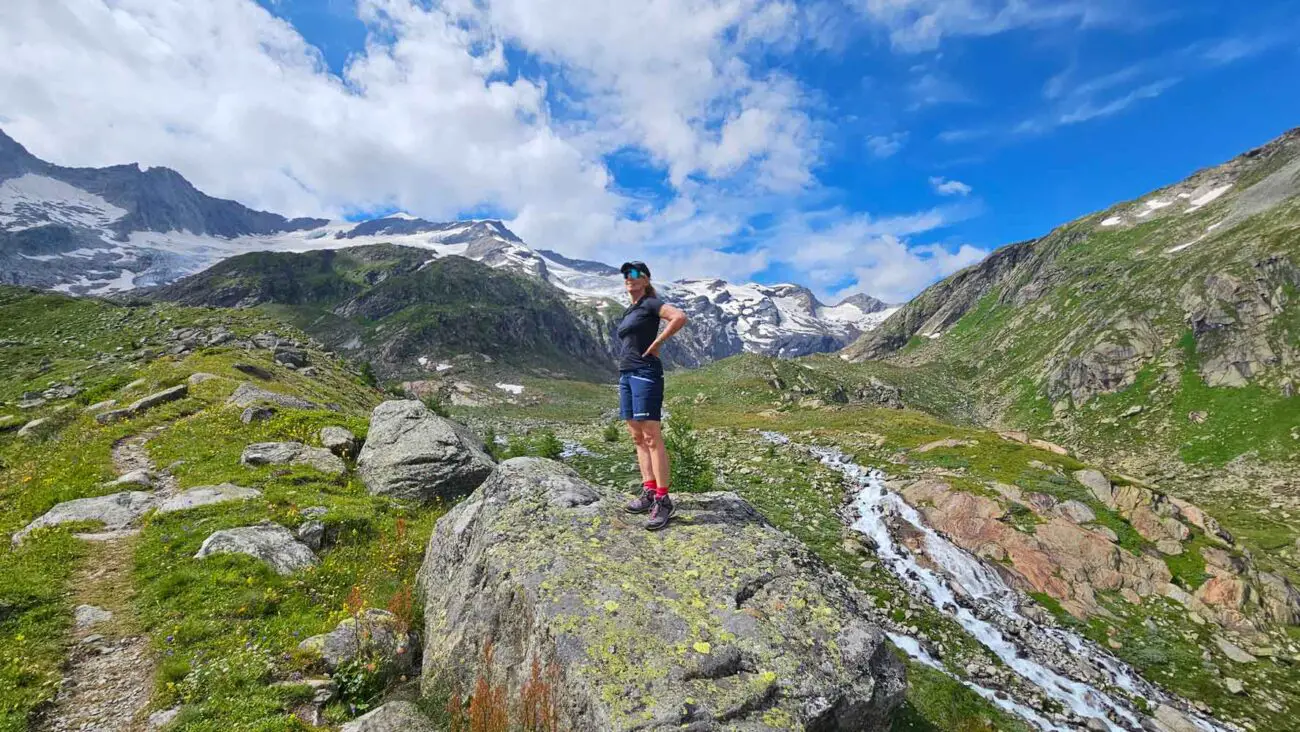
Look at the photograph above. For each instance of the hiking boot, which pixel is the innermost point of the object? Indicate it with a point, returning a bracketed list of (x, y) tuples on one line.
[(660, 512), (642, 503)]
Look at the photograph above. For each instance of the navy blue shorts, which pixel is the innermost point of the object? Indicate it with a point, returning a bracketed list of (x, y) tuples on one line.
[(641, 394)]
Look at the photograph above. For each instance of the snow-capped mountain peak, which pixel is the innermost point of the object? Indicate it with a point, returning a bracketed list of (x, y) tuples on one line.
[(102, 230)]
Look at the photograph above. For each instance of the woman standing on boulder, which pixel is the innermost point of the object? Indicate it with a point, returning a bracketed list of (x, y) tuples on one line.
[(641, 388)]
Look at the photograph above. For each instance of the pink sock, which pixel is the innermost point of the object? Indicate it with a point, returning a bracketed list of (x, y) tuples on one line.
[(661, 491), (649, 485)]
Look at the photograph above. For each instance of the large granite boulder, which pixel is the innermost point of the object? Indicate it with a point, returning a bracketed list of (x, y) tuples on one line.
[(115, 512), (270, 543), (412, 453), (721, 621)]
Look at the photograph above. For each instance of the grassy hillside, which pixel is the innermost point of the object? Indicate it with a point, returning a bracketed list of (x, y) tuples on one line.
[(218, 632), (1166, 326), (391, 306)]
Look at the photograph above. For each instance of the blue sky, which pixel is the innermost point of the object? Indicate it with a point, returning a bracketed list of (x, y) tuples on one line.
[(851, 145)]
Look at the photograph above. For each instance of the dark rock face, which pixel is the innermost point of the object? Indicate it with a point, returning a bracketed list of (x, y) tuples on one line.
[(743, 619)]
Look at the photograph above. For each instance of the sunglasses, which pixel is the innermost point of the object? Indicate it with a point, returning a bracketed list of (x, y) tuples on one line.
[(632, 274)]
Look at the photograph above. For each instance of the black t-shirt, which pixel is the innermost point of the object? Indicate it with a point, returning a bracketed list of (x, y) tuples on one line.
[(637, 330)]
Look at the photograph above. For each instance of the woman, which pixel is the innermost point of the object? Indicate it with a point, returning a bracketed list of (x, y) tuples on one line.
[(641, 388)]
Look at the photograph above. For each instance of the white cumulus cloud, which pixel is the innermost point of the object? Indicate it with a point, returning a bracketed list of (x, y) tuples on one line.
[(945, 187)]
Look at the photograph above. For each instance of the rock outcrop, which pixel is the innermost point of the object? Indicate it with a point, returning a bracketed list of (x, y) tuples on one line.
[(248, 395), (412, 453), (339, 441), (395, 716), (115, 512), (722, 621), (375, 635), (144, 404), (1060, 558), (207, 495), (270, 543), (293, 453)]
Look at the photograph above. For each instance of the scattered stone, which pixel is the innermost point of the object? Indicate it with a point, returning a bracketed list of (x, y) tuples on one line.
[(145, 404), (256, 414), (1175, 720), (207, 495), (310, 372), (88, 615), (9, 422), (1233, 652), (116, 511), (312, 533), (937, 444), (1234, 686), (291, 357), (200, 377), (248, 395), (373, 634), (395, 716), (270, 543), (1098, 483), (1132, 411), (339, 441), (31, 427), (1051, 447), (162, 718), (100, 406), (413, 453), (293, 453), (314, 512), (257, 372), (137, 384), (536, 541), (1198, 417), (1076, 511), (142, 478), (1169, 546)]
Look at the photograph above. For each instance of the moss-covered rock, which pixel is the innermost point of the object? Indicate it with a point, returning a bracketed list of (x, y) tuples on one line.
[(721, 619)]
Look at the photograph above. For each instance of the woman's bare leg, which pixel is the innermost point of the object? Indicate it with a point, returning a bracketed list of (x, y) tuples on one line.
[(653, 440), (643, 457)]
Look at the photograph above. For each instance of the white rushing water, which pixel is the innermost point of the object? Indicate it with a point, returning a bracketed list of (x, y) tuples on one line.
[(967, 574)]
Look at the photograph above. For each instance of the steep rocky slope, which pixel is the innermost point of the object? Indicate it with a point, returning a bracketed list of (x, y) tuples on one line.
[(406, 313), (1168, 324)]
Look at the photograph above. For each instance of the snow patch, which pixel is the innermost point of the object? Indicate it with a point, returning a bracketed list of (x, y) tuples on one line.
[(32, 200), (1209, 197), (1112, 221), (515, 389), (442, 367)]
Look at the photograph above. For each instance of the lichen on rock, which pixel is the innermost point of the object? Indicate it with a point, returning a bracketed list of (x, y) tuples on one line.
[(720, 619)]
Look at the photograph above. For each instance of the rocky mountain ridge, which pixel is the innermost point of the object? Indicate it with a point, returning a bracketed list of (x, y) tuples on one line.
[(99, 231)]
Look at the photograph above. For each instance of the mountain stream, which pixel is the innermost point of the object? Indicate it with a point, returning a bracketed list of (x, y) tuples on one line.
[(985, 606)]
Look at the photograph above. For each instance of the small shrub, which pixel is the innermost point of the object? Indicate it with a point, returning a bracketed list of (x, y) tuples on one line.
[(692, 472), (368, 375), (435, 404), (611, 432), (548, 445)]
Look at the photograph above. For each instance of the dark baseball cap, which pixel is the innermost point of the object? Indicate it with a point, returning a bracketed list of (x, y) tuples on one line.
[(638, 266)]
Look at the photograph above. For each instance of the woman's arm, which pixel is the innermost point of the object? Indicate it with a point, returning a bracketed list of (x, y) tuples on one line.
[(675, 318)]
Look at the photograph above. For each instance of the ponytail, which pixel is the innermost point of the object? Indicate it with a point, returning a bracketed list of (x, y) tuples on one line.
[(650, 290)]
